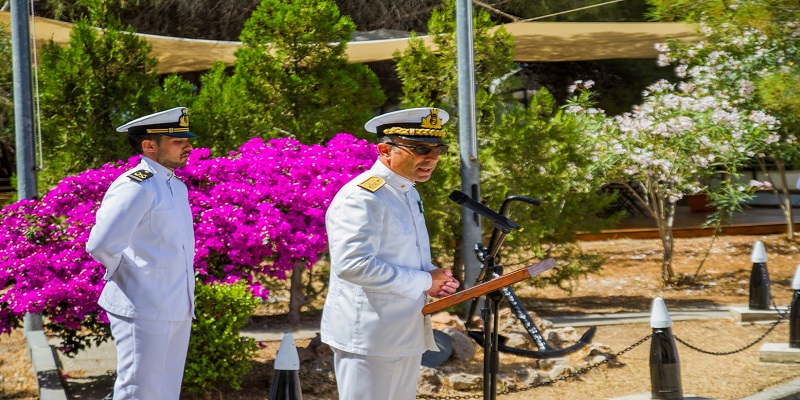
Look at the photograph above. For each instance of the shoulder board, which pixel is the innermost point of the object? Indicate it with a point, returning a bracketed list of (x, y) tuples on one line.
[(372, 183), (141, 175)]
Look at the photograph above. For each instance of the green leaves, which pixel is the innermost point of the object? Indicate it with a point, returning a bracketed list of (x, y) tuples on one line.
[(536, 151), (95, 83), (6, 91), (294, 67), (218, 356)]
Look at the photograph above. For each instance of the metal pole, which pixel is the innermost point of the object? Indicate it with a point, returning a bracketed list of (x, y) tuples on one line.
[(759, 279), (23, 115), (665, 370), (468, 138), (286, 382), (794, 312), (23, 99)]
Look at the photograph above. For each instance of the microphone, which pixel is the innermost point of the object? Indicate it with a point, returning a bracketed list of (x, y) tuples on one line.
[(500, 221)]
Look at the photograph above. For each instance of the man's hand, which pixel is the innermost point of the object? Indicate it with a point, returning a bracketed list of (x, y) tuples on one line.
[(443, 283)]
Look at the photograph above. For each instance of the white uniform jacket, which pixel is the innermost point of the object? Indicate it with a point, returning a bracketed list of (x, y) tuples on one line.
[(144, 236), (380, 255)]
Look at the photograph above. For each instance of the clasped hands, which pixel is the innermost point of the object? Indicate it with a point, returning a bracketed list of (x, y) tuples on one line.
[(443, 283)]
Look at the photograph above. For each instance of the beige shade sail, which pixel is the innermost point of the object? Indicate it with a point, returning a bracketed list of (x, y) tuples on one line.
[(533, 41)]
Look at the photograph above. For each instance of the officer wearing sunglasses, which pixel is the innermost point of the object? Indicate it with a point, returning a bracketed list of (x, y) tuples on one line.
[(381, 267)]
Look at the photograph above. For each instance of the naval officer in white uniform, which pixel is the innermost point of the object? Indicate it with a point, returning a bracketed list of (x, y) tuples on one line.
[(381, 268), (144, 237)]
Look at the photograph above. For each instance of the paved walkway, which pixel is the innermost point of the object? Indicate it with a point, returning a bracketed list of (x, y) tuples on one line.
[(90, 373)]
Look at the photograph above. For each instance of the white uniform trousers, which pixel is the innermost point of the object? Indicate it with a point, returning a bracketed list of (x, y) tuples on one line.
[(360, 377), (150, 357)]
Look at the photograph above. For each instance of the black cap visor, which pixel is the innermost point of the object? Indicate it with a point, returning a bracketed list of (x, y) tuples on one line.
[(187, 135), (424, 139)]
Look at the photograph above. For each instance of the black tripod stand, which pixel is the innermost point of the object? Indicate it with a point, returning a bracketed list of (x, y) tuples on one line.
[(490, 316), (490, 311)]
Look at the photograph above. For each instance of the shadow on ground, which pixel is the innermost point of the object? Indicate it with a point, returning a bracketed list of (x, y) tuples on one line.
[(90, 387), (607, 304)]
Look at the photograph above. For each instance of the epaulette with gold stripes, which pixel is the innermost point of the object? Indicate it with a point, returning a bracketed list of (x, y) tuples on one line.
[(141, 175), (373, 183)]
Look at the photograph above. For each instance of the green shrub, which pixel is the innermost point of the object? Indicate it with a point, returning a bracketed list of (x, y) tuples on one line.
[(218, 357)]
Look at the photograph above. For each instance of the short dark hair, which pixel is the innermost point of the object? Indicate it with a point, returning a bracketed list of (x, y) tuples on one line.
[(136, 141)]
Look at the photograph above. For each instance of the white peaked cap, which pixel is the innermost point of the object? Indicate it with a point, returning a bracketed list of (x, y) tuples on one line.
[(173, 122), (419, 124)]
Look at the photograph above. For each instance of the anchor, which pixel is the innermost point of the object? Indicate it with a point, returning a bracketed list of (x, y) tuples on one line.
[(490, 270)]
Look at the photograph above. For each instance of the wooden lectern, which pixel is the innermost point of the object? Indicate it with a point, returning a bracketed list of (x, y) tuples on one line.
[(489, 286), (492, 290)]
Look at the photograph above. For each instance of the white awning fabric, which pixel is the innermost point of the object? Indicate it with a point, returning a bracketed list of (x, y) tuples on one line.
[(533, 41)]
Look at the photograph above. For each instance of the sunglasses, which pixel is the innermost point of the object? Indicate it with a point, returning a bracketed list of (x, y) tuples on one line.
[(423, 150)]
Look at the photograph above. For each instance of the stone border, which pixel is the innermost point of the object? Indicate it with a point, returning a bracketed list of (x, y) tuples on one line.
[(45, 366), (786, 391)]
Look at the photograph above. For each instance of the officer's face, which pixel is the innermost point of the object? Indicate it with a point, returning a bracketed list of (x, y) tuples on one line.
[(172, 152), (406, 163)]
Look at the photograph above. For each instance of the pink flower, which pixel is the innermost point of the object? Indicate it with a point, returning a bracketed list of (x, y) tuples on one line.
[(258, 211)]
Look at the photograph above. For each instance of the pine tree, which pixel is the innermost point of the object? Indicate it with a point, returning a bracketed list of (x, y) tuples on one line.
[(293, 63), (98, 81), (515, 144)]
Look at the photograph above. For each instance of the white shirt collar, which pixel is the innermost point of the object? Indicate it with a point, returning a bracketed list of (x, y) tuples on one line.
[(392, 179), (156, 168)]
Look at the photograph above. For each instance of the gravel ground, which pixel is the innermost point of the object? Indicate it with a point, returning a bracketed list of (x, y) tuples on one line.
[(628, 283)]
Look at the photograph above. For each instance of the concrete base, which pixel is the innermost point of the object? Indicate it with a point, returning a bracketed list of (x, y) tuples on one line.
[(648, 396), (745, 315), (786, 391), (45, 366), (778, 353)]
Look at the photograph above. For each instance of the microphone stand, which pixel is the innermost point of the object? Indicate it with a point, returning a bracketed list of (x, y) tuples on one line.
[(491, 310), (490, 313), (503, 226), (490, 316)]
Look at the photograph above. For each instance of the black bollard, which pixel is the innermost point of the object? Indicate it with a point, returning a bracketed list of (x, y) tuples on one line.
[(759, 279), (794, 314), (665, 372), (286, 383)]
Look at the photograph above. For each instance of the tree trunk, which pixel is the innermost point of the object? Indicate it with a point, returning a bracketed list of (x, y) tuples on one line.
[(458, 261), (784, 197), (668, 242), (664, 213), (296, 297), (786, 204)]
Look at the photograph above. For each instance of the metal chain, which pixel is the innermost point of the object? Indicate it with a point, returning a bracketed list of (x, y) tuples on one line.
[(584, 370), (574, 374), (778, 310), (781, 316)]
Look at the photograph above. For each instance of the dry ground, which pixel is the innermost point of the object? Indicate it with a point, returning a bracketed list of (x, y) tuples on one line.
[(628, 282), (17, 380)]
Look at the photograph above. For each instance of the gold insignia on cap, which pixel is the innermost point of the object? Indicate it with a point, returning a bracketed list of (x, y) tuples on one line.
[(373, 183), (437, 133), (184, 119), (141, 175), (432, 121)]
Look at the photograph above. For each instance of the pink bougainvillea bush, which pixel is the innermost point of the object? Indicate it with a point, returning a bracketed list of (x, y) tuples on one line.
[(258, 211)]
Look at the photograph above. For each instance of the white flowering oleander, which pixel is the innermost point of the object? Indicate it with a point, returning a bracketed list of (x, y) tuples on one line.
[(760, 185), (688, 136)]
